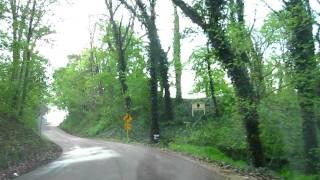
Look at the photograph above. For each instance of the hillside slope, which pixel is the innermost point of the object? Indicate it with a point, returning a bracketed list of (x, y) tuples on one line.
[(22, 150)]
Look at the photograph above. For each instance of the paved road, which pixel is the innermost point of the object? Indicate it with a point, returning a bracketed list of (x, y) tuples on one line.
[(86, 159)]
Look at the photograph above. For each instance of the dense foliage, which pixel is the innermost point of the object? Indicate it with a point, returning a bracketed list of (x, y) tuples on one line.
[(97, 95), (23, 79)]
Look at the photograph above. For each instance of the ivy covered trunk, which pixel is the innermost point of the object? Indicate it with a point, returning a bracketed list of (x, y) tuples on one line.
[(147, 16), (25, 72), (255, 63), (318, 99), (15, 55), (121, 40), (302, 50), (154, 125), (245, 95), (177, 55), (236, 68), (160, 57), (211, 83), (122, 68)]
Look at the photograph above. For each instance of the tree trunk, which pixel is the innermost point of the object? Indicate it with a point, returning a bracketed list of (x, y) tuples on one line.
[(15, 43), (18, 28), (302, 48), (211, 84), (15, 54), (123, 80), (318, 100), (154, 125), (177, 55), (160, 57), (27, 61), (246, 99), (156, 51), (154, 58), (236, 69), (257, 74), (256, 62), (25, 84), (120, 43)]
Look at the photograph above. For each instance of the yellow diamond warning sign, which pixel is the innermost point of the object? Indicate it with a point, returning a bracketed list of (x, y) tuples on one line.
[(127, 126), (127, 118)]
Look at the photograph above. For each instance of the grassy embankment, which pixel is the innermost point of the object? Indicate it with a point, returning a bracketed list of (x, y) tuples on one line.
[(21, 149)]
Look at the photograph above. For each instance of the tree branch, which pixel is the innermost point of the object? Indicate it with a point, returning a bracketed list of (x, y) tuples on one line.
[(191, 13), (126, 35), (132, 10), (254, 22), (145, 16), (116, 9), (274, 11)]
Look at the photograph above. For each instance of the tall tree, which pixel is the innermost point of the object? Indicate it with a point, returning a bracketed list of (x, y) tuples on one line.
[(302, 49), (15, 44), (94, 68), (18, 27), (27, 28), (95, 64), (246, 47), (122, 37), (25, 85), (157, 54), (211, 21), (177, 54), (25, 68)]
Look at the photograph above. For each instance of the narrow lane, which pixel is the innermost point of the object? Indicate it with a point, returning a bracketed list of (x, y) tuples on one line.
[(86, 159)]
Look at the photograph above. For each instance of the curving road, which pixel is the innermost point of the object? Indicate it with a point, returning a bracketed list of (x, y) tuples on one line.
[(87, 159)]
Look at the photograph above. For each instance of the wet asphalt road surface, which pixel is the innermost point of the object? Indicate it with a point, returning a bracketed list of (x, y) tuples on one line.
[(87, 159)]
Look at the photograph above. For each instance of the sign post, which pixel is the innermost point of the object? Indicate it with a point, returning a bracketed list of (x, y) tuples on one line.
[(127, 124)]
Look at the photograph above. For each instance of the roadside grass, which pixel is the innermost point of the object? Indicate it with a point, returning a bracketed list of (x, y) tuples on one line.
[(213, 154), (294, 175), (207, 152)]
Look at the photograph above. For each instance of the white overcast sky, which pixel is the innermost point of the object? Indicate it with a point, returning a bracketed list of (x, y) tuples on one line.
[(72, 17)]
